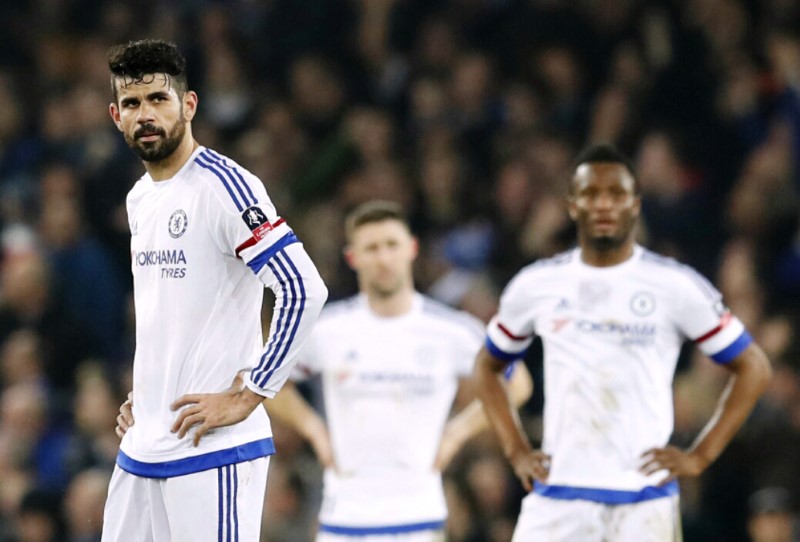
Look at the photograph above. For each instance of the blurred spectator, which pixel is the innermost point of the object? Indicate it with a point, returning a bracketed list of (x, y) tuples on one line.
[(83, 505)]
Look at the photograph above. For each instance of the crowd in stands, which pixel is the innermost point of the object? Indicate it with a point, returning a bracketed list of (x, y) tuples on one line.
[(469, 113)]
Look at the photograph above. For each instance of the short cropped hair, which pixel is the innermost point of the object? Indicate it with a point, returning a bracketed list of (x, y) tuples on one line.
[(604, 154), (372, 212), (135, 60)]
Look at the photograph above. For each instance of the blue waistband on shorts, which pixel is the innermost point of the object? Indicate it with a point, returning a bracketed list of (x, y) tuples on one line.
[(606, 496), (198, 463), (386, 529)]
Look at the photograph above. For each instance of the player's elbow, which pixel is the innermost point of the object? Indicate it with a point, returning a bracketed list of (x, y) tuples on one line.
[(316, 293), (762, 369), (521, 385)]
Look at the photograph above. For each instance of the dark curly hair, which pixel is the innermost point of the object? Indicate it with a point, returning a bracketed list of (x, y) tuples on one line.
[(134, 61)]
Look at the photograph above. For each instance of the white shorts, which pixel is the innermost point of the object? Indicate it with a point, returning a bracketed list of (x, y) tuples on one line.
[(543, 519), (215, 505), (418, 536)]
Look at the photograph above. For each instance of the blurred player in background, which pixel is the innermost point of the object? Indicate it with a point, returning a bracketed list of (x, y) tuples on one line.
[(390, 361), (612, 317), (205, 240)]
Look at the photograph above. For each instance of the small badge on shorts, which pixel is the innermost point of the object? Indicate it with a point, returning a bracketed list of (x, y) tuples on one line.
[(178, 223), (257, 221)]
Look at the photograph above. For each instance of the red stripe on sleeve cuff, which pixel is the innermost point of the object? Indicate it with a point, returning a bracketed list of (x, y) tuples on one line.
[(722, 323), (253, 240), (508, 334)]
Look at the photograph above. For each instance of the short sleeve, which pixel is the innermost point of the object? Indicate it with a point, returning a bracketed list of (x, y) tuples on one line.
[(510, 332), (243, 219), (704, 318)]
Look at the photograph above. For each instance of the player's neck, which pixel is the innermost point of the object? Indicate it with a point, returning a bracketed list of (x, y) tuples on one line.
[(172, 164), (396, 304), (606, 257)]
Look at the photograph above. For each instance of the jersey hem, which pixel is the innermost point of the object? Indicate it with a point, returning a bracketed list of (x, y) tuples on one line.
[(606, 496), (198, 463), (384, 529)]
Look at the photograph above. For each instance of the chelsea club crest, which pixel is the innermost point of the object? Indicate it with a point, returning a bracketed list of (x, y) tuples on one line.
[(177, 223)]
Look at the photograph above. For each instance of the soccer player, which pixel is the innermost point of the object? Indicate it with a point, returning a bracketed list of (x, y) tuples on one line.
[(612, 317), (205, 240), (390, 360)]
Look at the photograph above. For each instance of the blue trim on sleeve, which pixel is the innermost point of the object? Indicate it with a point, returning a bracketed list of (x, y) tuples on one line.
[(606, 496), (727, 355), (257, 263), (500, 354), (198, 463), (293, 277), (389, 529)]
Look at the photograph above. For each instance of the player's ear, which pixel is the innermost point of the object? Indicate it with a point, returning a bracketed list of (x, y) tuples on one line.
[(347, 252), (113, 110), (414, 247), (190, 100), (572, 208), (637, 206)]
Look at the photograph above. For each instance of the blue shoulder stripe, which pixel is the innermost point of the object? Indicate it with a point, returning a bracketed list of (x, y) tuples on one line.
[(201, 161), (222, 160), (221, 168)]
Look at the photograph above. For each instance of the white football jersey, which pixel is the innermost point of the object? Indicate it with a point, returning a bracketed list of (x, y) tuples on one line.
[(611, 337), (203, 245), (388, 386)]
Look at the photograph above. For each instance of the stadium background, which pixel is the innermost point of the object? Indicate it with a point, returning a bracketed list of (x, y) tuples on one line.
[(466, 111)]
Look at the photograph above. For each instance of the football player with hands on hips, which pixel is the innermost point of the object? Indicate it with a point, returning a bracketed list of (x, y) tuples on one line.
[(205, 241), (391, 361), (612, 317)]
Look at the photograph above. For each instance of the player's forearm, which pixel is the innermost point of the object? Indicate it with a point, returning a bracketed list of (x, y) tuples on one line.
[(300, 295), (751, 374), (289, 407), (497, 406), (472, 418)]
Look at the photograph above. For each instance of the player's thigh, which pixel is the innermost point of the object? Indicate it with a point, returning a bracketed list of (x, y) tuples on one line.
[(420, 536), (224, 503), (134, 510), (556, 520), (657, 520)]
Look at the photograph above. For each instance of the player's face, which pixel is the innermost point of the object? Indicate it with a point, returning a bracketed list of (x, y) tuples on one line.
[(151, 115), (382, 255), (604, 205)]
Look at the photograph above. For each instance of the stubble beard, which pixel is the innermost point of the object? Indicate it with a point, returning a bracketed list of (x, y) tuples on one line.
[(605, 243), (160, 149)]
